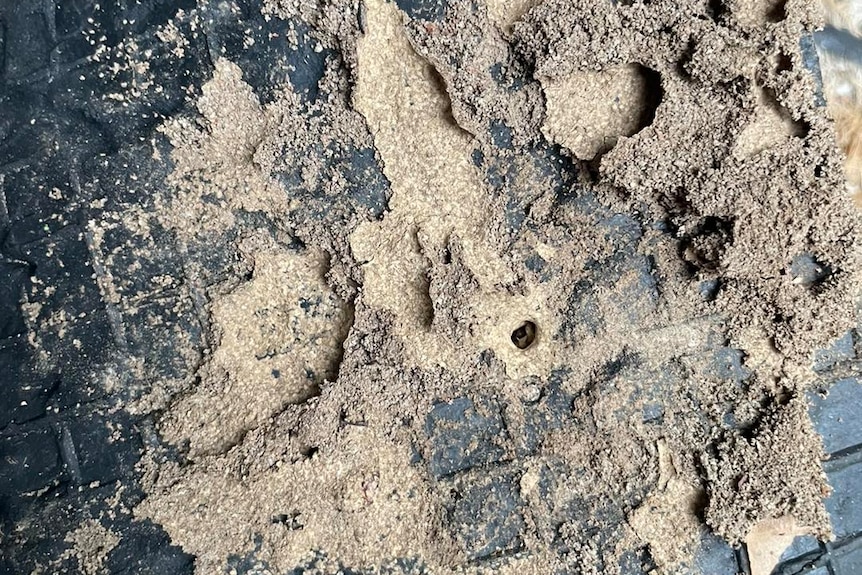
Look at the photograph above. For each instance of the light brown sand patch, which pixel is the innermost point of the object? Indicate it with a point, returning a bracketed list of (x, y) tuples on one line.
[(91, 544), (589, 111), (215, 167), (771, 126), (280, 337), (437, 194), (358, 502), (768, 540)]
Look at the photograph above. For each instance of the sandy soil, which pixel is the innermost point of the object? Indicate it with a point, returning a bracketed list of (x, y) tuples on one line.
[(310, 413)]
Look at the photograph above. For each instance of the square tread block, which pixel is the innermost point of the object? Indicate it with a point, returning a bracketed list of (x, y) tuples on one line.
[(715, 557), (24, 389), (845, 503), (487, 511), (464, 434), (102, 449), (848, 560), (835, 415), (29, 461)]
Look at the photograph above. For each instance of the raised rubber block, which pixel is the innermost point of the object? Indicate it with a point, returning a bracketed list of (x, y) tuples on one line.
[(715, 557), (848, 560), (836, 415), (552, 411), (99, 449), (25, 391), (145, 549), (841, 351), (29, 461), (13, 278), (167, 333), (367, 189), (845, 503), (487, 513), (463, 435), (269, 50), (727, 363)]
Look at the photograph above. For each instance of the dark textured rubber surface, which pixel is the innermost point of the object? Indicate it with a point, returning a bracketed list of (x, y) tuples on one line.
[(68, 155)]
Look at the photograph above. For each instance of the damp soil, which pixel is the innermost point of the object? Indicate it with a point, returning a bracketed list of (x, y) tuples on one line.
[(303, 438)]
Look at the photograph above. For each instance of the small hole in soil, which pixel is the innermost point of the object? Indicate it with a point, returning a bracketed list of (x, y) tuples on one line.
[(819, 170), (717, 9), (783, 62), (704, 247), (777, 11), (653, 95), (525, 335), (292, 520), (797, 128)]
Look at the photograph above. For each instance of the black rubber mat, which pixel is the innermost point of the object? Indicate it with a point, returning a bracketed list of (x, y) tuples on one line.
[(68, 156)]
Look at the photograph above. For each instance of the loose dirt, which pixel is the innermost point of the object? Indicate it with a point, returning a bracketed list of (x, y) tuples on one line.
[(298, 435)]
